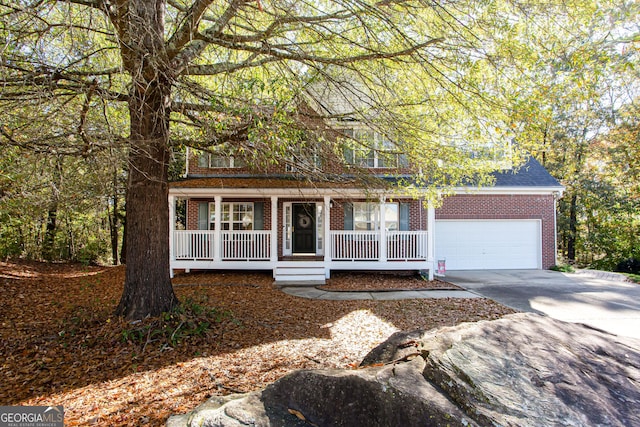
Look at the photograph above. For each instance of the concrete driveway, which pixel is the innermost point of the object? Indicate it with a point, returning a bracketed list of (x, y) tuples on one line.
[(598, 299)]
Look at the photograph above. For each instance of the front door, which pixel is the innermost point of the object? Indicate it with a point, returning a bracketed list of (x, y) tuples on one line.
[(304, 228)]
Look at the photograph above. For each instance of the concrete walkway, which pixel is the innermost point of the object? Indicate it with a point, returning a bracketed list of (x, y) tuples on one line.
[(312, 292)]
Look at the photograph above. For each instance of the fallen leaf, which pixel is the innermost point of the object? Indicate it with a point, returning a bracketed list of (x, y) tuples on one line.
[(297, 414)]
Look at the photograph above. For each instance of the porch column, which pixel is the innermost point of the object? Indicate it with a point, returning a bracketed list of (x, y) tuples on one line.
[(383, 232), (172, 230), (326, 221), (431, 243), (274, 232), (217, 234)]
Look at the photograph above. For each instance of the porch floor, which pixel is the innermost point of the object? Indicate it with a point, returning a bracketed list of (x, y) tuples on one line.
[(301, 258)]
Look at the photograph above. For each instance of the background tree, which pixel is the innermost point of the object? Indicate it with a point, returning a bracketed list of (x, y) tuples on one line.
[(587, 77)]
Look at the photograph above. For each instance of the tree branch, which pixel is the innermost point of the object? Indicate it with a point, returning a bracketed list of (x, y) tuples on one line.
[(282, 52), (226, 67), (185, 33), (187, 52)]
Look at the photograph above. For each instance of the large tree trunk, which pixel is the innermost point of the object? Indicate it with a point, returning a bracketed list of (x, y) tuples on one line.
[(147, 289)]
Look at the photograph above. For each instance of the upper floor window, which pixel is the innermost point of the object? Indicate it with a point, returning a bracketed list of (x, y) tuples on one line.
[(371, 149), (304, 157), (219, 160)]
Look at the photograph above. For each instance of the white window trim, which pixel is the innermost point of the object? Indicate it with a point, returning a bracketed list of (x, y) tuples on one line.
[(380, 144), (374, 208), (231, 159), (230, 222)]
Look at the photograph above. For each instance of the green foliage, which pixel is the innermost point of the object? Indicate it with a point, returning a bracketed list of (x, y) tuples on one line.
[(190, 319), (579, 120), (564, 268), (633, 277), (78, 191)]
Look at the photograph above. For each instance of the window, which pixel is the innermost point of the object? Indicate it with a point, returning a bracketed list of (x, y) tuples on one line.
[(366, 216), (371, 149), (235, 216), (219, 160), (304, 157), (224, 161)]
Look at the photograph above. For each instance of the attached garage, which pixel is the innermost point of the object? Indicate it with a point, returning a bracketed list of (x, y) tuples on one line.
[(489, 244)]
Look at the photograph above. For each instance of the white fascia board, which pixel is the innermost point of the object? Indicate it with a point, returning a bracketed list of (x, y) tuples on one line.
[(349, 192), (510, 190)]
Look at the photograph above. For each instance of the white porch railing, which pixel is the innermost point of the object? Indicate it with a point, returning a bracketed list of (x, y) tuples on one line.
[(407, 245), (255, 245), (347, 245), (250, 245), (193, 244), (246, 245)]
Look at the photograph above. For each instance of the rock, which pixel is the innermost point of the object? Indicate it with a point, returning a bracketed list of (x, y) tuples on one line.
[(381, 396), (524, 369)]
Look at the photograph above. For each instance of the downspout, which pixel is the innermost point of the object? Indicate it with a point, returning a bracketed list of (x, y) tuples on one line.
[(431, 242), (186, 164)]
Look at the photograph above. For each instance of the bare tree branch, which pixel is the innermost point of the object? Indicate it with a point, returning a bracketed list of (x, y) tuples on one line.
[(186, 32), (186, 53)]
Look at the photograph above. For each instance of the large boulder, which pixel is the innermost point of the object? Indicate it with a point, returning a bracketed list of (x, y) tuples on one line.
[(524, 369)]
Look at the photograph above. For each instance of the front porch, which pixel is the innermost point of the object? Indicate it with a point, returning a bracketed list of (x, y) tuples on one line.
[(274, 248)]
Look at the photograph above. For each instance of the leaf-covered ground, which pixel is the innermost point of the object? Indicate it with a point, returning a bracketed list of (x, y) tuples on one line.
[(61, 345)]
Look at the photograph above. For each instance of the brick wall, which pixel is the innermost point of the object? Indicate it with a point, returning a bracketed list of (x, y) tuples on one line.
[(477, 206)]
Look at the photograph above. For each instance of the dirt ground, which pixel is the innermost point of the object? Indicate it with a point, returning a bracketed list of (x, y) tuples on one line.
[(61, 345)]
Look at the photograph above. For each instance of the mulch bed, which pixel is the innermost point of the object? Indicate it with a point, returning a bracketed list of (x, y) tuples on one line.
[(61, 345), (391, 281)]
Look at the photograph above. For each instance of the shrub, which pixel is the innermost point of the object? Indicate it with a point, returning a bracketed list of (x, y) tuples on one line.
[(565, 268), (629, 265), (188, 320)]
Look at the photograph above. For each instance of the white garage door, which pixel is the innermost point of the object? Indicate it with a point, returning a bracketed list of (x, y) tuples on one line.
[(490, 244)]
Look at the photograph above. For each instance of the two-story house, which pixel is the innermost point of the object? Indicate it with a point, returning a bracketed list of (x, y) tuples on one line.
[(302, 229)]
